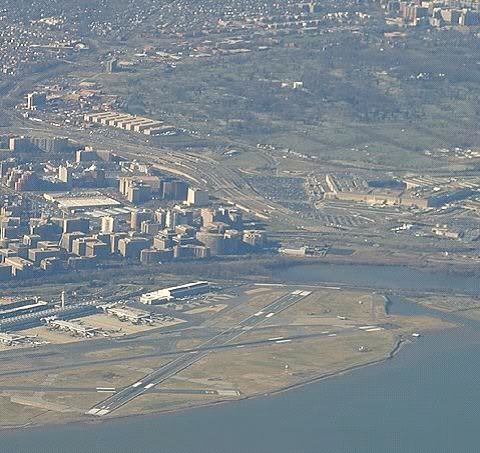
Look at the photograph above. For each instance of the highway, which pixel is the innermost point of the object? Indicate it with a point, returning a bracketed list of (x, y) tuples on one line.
[(155, 378), (203, 170)]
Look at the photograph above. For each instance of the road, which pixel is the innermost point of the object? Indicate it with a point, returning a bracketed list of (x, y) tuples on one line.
[(202, 170), (138, 388)]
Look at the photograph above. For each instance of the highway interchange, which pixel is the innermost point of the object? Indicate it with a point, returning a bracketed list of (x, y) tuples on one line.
[(201, 169)]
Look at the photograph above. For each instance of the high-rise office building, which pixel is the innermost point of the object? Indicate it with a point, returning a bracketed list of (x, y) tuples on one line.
[(36, 101), (109, 225)]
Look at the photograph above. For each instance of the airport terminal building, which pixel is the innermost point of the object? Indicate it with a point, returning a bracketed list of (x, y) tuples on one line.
[(164, 295)]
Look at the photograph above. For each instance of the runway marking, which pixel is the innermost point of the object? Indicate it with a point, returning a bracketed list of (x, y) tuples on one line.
[(228, 392), (276, 338), (260, 313), (333, 335), (376, 329), (163, 373), (367, 327), (269, 284)]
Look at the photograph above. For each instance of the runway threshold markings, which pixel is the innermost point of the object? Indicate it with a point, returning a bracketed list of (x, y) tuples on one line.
[(269, 315), (149, 386), (137, 384)]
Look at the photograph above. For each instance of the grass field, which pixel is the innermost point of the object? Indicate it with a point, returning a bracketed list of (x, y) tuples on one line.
[(269, 368), (360, 103), (310, 353)]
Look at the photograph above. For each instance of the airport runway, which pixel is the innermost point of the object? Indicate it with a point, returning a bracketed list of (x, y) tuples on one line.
[(50, 389), (127, 394), (240, 344)]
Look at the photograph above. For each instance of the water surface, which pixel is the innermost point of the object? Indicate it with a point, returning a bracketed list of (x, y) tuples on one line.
[(424, 400), (382, 277)]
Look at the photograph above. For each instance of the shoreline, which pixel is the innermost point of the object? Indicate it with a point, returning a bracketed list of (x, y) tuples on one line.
[(469, 269), (397, 346), (398, 343), (266, 264)]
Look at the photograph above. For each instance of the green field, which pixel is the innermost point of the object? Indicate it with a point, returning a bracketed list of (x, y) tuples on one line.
[(367, 101)]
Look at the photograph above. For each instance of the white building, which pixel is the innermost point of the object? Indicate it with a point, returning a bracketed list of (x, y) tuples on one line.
[(109, 225), (197, 197), (164, 295)]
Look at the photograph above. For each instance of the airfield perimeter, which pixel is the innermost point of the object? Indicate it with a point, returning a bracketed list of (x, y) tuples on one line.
[(239, 341)]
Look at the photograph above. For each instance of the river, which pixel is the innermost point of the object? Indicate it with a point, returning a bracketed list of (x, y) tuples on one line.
[(424, 400), (382, 277)]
